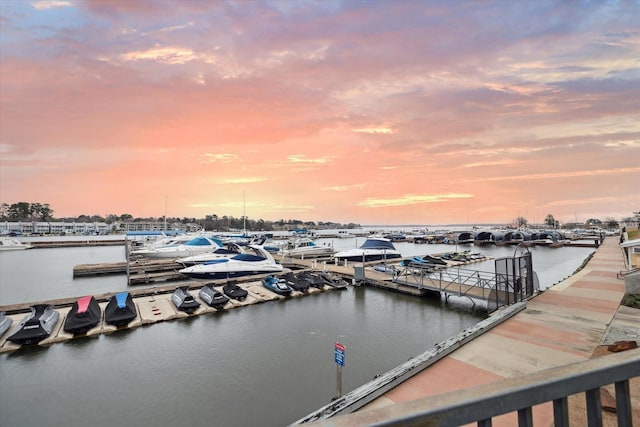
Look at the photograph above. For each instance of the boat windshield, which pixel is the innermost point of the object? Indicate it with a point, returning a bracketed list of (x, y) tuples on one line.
[(199, 241), (248, 257), (377, 244)]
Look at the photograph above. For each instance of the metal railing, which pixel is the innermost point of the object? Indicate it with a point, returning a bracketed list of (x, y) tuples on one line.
[(481, 404)]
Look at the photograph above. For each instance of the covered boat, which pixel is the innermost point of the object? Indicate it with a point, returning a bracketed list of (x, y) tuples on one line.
[(255, 260), (334, 280), (235, 292), (120, 309), (313, 279), (373, 249), (277, 285), (197, 245), (296, 283), (35, 326), (184, 301), (212, 296), (84, 315)]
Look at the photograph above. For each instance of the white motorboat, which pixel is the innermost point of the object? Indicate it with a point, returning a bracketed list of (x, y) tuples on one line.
[(229, 250), (197, 245), (7, 244), (373, 249), (255, 260), (306, 248)]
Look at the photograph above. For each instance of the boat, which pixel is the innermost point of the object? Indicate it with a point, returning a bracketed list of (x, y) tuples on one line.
[(212, 296), (5, 322), (235, 292), (277, 285), (334, 280), (386, 268), (183, 300), (304, 247), (84, 315), (255, 260), (295, 283), (35, 326), (197, 245), (313, 279), (373, 249), (7, 244), (120, 309), (229, 250)]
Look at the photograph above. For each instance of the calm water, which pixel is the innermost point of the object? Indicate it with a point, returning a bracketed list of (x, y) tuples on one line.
[(266, 364)]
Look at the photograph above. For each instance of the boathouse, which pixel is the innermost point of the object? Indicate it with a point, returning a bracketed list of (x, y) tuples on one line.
[(489, 237)]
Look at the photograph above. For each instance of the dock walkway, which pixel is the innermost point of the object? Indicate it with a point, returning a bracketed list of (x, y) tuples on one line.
[(567, 323)]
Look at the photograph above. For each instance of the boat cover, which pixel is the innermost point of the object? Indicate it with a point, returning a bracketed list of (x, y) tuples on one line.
[(84, 315), (120, 309), (35, 326)]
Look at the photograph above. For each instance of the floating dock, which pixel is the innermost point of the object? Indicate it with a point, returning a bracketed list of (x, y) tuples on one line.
[(153, 306)]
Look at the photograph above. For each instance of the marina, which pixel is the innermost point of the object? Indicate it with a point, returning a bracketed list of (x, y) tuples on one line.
[(280, 347)]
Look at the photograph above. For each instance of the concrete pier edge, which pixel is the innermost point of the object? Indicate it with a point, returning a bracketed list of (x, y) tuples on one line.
[(366, 393)]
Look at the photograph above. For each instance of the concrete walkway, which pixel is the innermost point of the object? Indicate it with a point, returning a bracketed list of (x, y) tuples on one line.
[(562, 325)]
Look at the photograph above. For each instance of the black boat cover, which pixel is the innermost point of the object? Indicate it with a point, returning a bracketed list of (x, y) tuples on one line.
[(212, 296), (183, 300), (35, 326), (234, 291), (84, 315), (120, 309)]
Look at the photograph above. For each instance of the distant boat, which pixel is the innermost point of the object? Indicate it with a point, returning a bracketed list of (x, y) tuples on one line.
[(306, 248), (120, 309), (197, 245), (7, 244), (184, 301), (212, 296), (235, 292), (84, 315), (256, 260), (277, 285), (373, 249), (35, 326)]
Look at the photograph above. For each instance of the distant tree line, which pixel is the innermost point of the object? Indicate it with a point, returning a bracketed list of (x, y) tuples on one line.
[(551, 222), (24, 211)]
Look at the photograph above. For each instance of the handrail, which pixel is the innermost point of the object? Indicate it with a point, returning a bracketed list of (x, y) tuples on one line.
[(481, 403)]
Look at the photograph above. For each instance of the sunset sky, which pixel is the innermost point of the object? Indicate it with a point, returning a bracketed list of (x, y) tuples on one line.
[(372, 112)]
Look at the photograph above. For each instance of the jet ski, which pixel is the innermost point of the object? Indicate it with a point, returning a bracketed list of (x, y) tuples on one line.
[(84, 315), (234, 291), (184, 301), (213, 297), (35, 326), (120, 309)]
